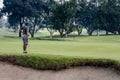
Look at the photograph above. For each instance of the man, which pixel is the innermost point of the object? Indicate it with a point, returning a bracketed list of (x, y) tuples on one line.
[(25, 36)]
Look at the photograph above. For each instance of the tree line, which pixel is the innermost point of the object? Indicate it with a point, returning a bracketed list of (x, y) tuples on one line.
[(64, 16)]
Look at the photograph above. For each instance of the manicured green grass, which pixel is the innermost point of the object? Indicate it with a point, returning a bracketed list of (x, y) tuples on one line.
[(95, 47), (64, 52)]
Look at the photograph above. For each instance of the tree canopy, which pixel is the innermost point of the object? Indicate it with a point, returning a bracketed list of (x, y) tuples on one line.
[(64, 15)]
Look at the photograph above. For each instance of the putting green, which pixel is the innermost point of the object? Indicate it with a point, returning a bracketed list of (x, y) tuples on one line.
[(107, 47)]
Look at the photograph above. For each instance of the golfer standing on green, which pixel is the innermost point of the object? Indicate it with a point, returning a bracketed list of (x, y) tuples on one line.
[(25, 35)]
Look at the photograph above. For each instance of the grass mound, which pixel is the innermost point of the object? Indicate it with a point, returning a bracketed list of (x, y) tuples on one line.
[(43, 62)]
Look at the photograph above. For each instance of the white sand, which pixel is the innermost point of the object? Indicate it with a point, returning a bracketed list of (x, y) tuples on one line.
[(12, 72)]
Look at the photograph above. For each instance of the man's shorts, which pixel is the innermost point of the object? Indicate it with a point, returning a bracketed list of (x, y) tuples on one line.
[(25, 39)]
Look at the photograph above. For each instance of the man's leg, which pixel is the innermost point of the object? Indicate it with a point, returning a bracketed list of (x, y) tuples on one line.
[(25, 43), (25, 48)]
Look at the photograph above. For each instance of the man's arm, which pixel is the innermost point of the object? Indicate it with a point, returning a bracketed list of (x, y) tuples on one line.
[(21, 30)]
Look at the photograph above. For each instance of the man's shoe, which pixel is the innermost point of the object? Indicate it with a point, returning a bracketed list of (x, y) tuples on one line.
[(24, 51)]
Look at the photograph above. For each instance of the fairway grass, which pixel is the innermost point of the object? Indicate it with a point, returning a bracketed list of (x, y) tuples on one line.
[(102, 48)]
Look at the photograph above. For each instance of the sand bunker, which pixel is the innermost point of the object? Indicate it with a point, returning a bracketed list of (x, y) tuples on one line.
[(11, 72)]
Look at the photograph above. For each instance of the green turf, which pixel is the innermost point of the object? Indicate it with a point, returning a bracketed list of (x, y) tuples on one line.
[(107, 47)]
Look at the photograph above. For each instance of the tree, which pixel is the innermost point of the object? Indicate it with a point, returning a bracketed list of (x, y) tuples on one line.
[(1, 20), (80, 17), (21, 8), (46, 17), (1, 13), (13, 21), (62, 15), (86, 14), (108, 16)]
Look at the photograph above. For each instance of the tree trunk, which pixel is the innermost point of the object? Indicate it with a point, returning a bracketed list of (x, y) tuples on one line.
[(51, 31), (34, 26), (61, 33), (79, 30), (107, 33), (79, 33), (114, 32), (97, 32), (33, 32), (19, 33), (66, 35), (119, 31), (20, 28), (90, 32), (51, 35), (21, 22)]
